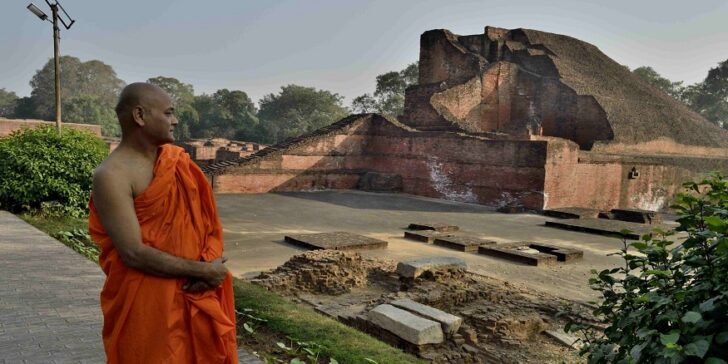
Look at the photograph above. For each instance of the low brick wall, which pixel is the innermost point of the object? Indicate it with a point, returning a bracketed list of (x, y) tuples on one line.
[(7, 126)]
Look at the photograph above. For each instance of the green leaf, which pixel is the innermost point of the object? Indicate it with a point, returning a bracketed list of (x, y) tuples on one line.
[(714, 360), (692, 317), (297, 361), (333, 361), (370, 361), (722, 338), (671, 338), (282, 346), (697, 348)]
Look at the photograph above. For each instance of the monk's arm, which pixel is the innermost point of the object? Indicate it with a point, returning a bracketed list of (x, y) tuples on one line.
[(115, 206)]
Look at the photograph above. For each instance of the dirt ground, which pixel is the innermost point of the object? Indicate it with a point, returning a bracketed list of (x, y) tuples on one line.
[(502, 322)]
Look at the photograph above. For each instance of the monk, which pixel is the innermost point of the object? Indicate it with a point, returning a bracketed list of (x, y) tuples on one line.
[(167, 297)]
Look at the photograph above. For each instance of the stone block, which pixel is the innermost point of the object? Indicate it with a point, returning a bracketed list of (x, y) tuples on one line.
[(513, 254), (563, 338), (414, 268), (337, 241), (562, 254), (636, 215), (571, 213), (462, 243), (443, 228), (412, 328), (425, 236), (604, 227), (450, 323)]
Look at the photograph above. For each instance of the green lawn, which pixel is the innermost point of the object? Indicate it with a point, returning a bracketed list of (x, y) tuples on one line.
[(337, 340)]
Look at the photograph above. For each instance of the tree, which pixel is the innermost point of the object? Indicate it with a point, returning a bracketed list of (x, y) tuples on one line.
[(226, 114), (86, 109), (92, 78), (8, 102), (389, 95), (297, 110), (648, 74), (183, 98), (669, 302), (710, 97)]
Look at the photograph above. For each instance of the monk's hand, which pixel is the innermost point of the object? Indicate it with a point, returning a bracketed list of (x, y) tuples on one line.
[(196, 286), (216, 272)]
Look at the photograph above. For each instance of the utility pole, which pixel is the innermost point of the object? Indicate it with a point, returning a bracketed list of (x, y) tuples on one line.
[(56, 47), (57, 64)]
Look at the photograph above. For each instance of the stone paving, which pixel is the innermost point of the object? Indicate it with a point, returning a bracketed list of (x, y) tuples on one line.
[(49, 300)]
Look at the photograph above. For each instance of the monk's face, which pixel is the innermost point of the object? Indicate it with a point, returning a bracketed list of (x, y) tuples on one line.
[(159, 119)]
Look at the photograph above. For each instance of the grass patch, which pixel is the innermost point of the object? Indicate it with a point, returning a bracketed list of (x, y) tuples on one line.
[(71, 231), (335, 339)]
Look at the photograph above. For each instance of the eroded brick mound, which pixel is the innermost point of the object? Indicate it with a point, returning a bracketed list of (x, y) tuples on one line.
[(329, 272)]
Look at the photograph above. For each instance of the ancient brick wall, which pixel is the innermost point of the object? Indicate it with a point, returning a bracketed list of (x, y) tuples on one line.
[(8, 126), (435, 164), (603, 181)]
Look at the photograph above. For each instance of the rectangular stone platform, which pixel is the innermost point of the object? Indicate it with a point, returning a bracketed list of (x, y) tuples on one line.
[(425, 236), (571, 213), (511, 253), (463, 243), (605, 227), (562, 254), (336, 241), (443, 228)]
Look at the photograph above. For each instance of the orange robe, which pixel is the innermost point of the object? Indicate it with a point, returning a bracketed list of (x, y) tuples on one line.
[(149, 319)]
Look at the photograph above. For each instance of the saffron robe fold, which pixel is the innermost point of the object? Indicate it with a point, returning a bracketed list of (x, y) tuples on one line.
[(150, 319)]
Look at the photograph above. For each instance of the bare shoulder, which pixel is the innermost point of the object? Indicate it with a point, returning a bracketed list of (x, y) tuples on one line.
[(111, 175)]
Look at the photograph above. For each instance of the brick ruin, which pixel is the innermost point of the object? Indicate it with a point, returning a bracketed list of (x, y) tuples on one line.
[(212, 150), (8, 126), (512, 119)]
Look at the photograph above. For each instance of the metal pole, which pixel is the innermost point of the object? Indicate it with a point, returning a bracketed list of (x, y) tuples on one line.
[(57, 62)]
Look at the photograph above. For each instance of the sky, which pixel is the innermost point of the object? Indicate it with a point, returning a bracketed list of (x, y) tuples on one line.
[(340, 45)]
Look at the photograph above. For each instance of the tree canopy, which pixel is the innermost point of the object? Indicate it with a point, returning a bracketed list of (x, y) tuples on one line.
[(388, 97), (298, 110), (648, 74), (226, 114), (8, 102)]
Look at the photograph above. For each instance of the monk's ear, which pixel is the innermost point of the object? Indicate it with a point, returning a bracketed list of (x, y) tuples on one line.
[(137, 113)]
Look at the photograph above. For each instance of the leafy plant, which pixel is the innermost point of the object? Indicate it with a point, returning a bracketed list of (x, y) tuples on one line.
[(669, 302), (80, 241), (39, 166)]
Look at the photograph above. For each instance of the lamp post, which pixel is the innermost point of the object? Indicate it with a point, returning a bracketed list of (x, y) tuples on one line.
[(56, 46)]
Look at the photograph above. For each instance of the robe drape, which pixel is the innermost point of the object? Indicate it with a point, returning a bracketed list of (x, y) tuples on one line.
[(150, 319)]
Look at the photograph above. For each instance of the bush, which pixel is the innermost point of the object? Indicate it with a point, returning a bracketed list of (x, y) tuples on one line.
[(668, 304), (41, 167)]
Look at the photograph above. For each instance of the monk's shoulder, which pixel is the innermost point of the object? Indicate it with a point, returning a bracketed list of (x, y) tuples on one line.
[(110, 170)]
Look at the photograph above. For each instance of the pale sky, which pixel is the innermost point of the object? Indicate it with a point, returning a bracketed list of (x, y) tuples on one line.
[(260, 45)]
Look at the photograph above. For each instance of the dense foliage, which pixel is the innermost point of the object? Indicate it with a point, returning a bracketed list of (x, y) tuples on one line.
[(669, 302), (388, 97), (40, 166), (708, 98)]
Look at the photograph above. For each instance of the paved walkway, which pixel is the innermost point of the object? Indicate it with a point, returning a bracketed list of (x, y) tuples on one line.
[(49, 300)]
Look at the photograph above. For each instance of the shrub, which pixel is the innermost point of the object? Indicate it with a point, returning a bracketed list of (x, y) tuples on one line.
[(39, 166), (668, 304)]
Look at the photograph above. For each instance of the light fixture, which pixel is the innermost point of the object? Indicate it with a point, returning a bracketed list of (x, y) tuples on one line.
[(39, 13)]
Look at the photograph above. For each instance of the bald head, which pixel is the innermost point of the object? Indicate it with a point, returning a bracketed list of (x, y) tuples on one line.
[(138, 94)]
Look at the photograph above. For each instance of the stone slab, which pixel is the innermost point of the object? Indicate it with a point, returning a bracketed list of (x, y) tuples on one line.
[(443, 228), (511, 253), (450, 323), (336, 240), (425, 236), (412, 328), (463, 243), (605, 227), (637, 215), (571, 213), (563, 338), (562, 254), (415, 267)]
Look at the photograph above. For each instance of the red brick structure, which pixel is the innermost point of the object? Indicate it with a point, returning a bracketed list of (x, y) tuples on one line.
[(511, 119), (7, 126), (207, 151)]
